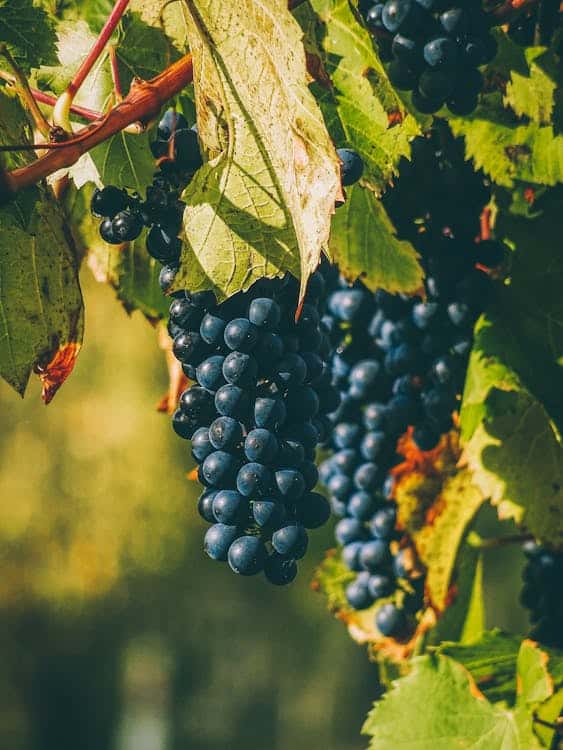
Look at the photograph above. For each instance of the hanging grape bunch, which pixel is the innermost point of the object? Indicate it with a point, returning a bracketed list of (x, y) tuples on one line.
[(124, 216), (400, 363), (254, 418), (435, 50)]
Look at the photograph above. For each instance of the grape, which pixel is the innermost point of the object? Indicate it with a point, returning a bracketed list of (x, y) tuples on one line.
[(197, 403), (290, 541), (127, 226), (225, 433), (232, 401), (351, 555), (201, 444), (269, 412), (435, 51), (209, 373), (280, 571), (358, 595), (383, 522), (261, 445), (212, 329), (230, 507), (264, 312), (166, 277), (205, 505), (219, 469), (162, 245), (313, 511), (218, 540), (240, 369), (254, 480), (349, 530), (107, 233), (171, 121), (247, 555), (352, 166), (241, 334), (380, 585), (374, 555), (289, 483), (390, 620), (268, 512)]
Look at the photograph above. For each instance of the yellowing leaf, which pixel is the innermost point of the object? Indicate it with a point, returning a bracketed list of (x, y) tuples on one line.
[(263, 202)]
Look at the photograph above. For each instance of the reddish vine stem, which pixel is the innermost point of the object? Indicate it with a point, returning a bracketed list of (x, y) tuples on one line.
[(142, 103), (109, 27), (50, 100)]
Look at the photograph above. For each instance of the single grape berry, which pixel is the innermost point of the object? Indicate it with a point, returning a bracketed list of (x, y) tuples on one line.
[(108, 201), (352, 166)]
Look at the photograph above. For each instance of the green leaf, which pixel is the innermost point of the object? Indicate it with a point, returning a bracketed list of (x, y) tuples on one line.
[(363, 243), (491, 661), (532, 95), (513, 138), (530, 311), (262, 204), (367, 113), (331, 578), (534, 682), (40, 300), (28, 32), (444, 711), (125, 160)]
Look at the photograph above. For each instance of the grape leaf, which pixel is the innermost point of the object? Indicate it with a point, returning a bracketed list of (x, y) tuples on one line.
[(532, 94), (172, 18), (511, 446), (367, 113), (436, 505), (363, 243), (262, 204), (41, 315), (445, 710), (530, 310), (492, 663), (510, 135), (534, 683), (28, 33)]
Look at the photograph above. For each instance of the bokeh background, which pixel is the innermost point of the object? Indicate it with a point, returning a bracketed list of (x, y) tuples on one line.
[(116, 632)]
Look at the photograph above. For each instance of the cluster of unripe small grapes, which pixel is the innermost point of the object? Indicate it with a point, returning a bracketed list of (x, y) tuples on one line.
[(254, 418), (399, 363), (542, 593), (434, 49), (125, 215)]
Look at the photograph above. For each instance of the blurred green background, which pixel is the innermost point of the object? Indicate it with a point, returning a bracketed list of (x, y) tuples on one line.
[(115, 630)]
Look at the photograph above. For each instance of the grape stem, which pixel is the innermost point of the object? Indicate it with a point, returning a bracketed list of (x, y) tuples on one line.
[(64, 102), (501, 541), (142, 103), (43, 98)]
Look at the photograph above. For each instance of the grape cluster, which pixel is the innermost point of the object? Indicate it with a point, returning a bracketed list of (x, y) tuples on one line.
[(542, 593), (400, 362), (124, 216), (254, 417), (434, 49)]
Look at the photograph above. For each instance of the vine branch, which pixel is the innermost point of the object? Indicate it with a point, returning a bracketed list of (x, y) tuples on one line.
[(142, 103)]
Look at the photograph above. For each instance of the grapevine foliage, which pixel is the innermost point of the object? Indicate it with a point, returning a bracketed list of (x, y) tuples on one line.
[(349, 224)]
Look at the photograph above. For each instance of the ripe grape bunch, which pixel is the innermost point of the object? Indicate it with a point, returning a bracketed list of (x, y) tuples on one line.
[(435, 50), (542, 593), (254, 417), (400, 363), (124, 216)]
